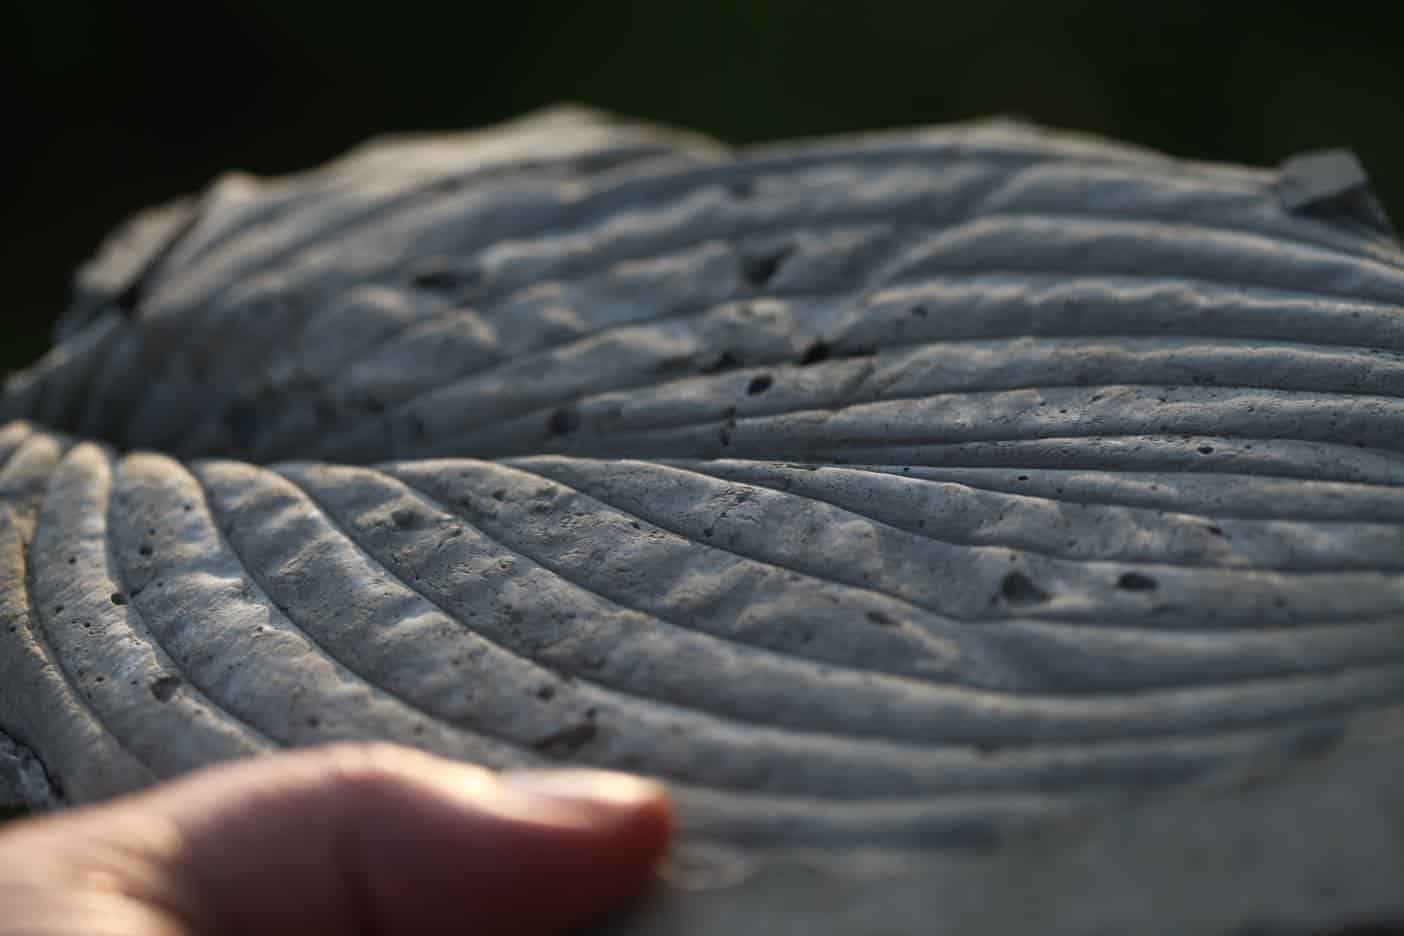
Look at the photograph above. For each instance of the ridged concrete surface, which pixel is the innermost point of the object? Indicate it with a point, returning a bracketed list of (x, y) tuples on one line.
[(887, 496)]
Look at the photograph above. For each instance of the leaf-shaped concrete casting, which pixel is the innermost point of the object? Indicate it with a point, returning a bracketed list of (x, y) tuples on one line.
[(884, 495)]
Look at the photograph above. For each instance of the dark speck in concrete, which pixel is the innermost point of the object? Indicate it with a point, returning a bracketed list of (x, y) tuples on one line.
[(1018, 589), (1135, 581), (564, 420), (567, 741), (164, 688), (760, 270)]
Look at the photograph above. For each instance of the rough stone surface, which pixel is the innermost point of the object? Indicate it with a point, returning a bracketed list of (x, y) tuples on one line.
[(23, 783), (954, 517)]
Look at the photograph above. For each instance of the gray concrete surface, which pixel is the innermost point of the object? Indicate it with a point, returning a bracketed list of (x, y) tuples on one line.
[(942, 510)]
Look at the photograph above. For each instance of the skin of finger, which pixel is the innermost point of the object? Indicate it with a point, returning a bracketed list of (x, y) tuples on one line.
[(92, 870), (365, 839)]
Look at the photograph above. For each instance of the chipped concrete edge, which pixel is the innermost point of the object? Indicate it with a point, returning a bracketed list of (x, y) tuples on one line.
[(24, 784)]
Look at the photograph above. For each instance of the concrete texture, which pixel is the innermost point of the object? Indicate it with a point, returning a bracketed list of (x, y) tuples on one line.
[(952, 516), (23, 783)]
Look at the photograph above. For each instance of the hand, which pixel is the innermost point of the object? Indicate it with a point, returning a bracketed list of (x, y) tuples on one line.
[(366, 839)]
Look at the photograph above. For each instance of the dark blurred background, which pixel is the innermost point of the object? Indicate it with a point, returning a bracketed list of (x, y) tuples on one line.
[(112, 106)]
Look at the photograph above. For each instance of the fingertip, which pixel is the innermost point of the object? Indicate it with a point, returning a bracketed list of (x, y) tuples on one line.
[(410, 842), (530, 852), (628, 820), (596, 797)]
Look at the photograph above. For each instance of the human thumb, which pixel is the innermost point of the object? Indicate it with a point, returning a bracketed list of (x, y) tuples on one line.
[(344, 839)]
